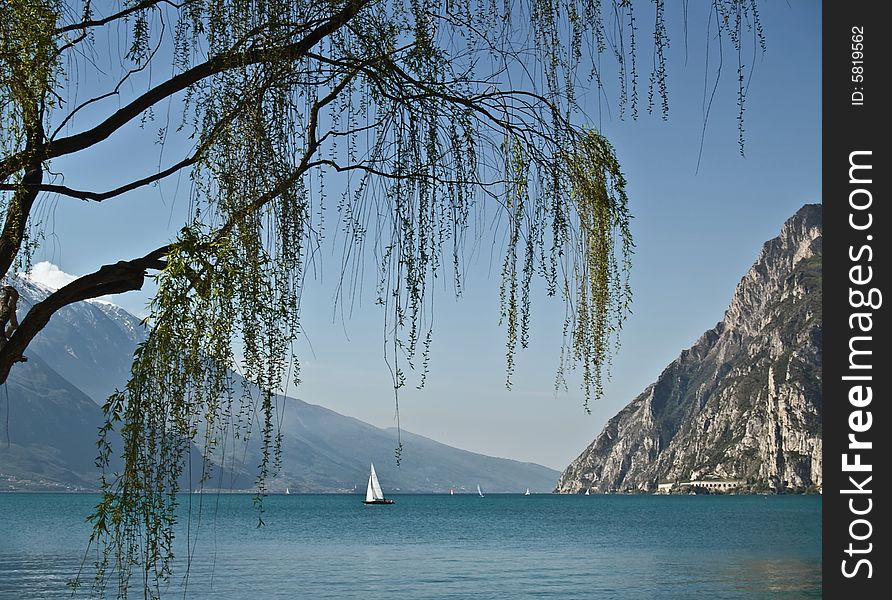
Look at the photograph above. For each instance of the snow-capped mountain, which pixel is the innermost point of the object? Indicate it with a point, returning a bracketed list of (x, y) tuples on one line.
[(85, 352), (89, 343)]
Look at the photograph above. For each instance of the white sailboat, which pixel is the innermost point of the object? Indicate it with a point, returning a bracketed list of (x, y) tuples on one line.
[(479, 491), (527, 493), (287, 491), (587, 492), (373, 493)]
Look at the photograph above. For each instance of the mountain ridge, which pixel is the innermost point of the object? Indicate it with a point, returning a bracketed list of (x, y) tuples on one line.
[(85, 353)]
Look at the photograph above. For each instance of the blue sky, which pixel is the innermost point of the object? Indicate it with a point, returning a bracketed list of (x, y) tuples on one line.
[(696, 231)]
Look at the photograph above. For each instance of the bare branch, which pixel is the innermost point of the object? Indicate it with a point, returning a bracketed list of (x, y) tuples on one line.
[(101, 97), (123, 276), (200, 151), (118, 15), (178, 83)]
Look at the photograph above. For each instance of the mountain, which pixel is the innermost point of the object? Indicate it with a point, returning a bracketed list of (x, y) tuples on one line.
[(89, 343), (744, 402), (324, 451), (50, 427), (85, 353), (51, 415)]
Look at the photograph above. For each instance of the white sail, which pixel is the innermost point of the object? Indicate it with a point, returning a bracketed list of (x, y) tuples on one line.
[(373, 491), (479, 491), (369, 492)]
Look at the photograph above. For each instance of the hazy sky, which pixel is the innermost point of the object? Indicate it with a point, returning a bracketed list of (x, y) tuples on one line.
[(697, 232)]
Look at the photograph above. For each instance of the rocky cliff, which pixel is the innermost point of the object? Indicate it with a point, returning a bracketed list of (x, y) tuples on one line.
[(744, 402)]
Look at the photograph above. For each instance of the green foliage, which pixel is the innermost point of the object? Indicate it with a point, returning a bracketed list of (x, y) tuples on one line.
[(603, 294), (28, 65)]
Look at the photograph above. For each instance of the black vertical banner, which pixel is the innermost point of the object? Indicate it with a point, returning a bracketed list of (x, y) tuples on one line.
[(857, 224)]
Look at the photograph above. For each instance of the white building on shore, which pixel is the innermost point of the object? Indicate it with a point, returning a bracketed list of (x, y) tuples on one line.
[(718, 485)]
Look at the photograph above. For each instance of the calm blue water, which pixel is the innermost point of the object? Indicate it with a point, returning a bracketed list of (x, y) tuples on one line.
[(462, 547)]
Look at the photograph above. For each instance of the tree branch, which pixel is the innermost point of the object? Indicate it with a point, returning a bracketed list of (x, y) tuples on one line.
[(127, 276), (313, 143), (119, 15), (224, 122), (19, 208), (100, 196), (123, 276), (178, 83)]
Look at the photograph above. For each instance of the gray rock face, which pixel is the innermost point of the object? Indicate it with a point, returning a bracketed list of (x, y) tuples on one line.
[(744, 402)]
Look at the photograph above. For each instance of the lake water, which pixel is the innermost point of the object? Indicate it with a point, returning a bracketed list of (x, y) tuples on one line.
[(440, 547)]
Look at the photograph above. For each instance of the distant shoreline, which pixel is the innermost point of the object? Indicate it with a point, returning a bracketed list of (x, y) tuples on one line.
[(216, 492)]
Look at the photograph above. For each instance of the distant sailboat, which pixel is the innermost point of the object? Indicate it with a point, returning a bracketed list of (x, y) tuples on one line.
[(373, 493), (479, 491), (527, 493), (587, 492), (451, 492), (287, 491)]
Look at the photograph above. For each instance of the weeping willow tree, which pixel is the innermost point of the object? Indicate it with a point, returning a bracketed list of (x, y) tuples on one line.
[(404, 119)]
